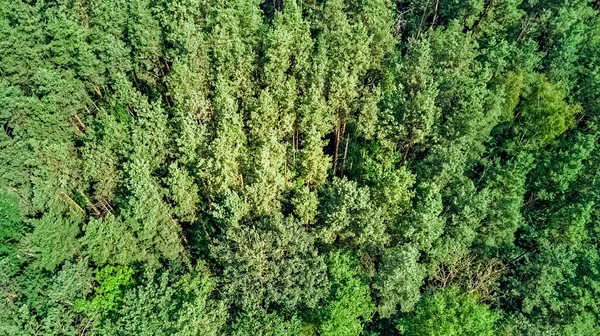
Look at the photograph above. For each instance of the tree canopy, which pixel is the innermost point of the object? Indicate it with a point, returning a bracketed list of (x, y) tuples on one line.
[(300, 167)]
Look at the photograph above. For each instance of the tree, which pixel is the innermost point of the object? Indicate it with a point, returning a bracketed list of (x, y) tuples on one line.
[(349, 305), (411, 102), (545, 114), (262, 323), (54, 240), (271, 263), (399, 280), (348, 216), (168, 303), (449, 312), (11, 225)]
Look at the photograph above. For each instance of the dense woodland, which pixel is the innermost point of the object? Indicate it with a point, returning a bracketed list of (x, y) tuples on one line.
[(287, 167)]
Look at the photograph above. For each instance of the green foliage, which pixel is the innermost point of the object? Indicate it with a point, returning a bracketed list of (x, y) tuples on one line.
[(299, 167), (507, 191), (110, 240), (184, 193), (411, 102), (271, 263), (167, 304), (54, 240), (350, 305), (399, 280), (545, 113), (46, 305), (449, 312), (108, 295), (261, 323), (350, 217), (10, 223), (305, 205), (555, 280), (423, 225)]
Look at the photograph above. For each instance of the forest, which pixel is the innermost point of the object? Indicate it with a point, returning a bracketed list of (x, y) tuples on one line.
[(300, 167)]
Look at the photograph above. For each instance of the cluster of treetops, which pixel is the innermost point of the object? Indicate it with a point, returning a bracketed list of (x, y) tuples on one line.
[(310, 168)]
